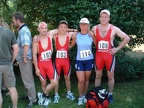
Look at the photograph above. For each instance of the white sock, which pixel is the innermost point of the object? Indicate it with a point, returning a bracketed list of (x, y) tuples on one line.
[(56, 94), (68, 92)]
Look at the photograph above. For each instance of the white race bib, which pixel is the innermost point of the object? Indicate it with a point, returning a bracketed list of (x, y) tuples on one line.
[(46, 55), (103, 45), (61, 54), (85, 53)]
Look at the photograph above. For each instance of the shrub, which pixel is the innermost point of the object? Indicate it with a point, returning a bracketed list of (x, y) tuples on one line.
[(128, 68)]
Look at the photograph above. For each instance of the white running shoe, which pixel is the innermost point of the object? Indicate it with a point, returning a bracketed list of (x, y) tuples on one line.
[(84, 99), (40, 95), (70, 96), (41, 101), (56, 98), (40, 98), (80, 101), (46, 102)]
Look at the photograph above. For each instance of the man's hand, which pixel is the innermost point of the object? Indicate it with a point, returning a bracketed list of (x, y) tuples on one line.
[(113, 51), (37, 71)]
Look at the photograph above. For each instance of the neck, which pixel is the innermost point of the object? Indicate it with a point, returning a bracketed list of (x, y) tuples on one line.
[(21, 24), (42, 36), (104, 25), (84, 32), (61, 34)]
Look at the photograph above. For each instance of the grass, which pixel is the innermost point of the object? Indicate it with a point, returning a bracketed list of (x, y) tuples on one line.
[(126, 94)]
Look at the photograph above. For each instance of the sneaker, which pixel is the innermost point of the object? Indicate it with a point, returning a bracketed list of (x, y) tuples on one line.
[(40, 98), (80, 101), (70, 96), (110, 98), (84, 99), (39, 94), (56, 98), (46, 102), (30, 104)]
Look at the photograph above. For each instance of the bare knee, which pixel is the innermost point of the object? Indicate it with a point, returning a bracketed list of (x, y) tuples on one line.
[(67, 78), (110, 77), (81, 81), (43, 83), (98, 75), (54, 83), (12, 89)]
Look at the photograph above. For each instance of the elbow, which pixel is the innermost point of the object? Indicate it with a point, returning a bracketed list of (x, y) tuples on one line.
[(128, 39)]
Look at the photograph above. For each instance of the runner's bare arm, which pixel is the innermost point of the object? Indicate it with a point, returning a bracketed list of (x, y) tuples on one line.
[(94, 30), (72, 30), (91, 33), (72, 39), (94, 36), (54, 40), (35, 52), (125, 38), (52, 33)]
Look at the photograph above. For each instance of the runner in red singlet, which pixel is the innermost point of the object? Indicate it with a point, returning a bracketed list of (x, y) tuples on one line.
[(62, 62), (42, 46), (105, 50)]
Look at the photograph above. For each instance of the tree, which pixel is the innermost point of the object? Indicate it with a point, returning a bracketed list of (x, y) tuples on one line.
[(128, 15)]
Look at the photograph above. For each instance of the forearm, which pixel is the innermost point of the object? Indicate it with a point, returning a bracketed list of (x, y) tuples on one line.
[(35, 61), (14, 54), (123, 43), (72, 30), (72, 43), (25, 51)]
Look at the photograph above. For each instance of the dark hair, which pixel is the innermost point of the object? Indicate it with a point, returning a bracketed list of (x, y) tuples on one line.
[(19, 15)]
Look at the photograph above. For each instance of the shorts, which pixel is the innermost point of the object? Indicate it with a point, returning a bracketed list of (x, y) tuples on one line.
[(47, 70), (104, 59), (85, 65), (7, 75), (63, 65)]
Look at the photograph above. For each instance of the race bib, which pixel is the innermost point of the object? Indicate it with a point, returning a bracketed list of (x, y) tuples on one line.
[(103, 45), (46, 55), (61, 54), (85, 53)]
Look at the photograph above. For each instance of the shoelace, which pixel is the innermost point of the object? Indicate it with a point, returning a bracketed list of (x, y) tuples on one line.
[(71, 95)]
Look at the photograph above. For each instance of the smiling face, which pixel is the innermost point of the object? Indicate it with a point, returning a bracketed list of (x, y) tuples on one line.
[(104, 18), (42, 28), (62, 28), (84, 26)]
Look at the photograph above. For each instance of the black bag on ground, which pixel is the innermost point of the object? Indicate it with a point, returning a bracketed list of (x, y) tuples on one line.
[(97, 98)]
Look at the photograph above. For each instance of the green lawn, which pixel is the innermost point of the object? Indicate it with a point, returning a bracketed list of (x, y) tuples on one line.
[(126, 94)]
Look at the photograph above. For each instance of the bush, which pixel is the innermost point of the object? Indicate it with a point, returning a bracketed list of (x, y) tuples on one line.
[(128, 68)]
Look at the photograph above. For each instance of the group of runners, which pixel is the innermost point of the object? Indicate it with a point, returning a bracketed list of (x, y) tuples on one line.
[(101, 35)]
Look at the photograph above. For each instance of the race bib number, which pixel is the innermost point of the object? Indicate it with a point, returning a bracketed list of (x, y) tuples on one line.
[(85, 53), (61, 54), (46, 55), (103, 45)]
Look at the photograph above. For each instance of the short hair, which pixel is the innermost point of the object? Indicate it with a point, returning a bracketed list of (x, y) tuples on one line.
[(20, 16)]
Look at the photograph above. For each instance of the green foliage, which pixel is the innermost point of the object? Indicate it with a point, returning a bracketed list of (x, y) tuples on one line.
[(128, 68), (128, 15)]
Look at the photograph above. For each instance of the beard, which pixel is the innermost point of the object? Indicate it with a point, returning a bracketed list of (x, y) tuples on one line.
[(16, 25)]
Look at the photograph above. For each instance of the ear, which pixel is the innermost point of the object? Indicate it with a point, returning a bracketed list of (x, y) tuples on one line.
[(38, 28)]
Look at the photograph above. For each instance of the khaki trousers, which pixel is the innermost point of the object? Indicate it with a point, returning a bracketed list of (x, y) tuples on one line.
[(26, 71)]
